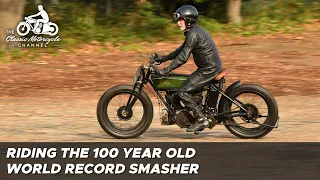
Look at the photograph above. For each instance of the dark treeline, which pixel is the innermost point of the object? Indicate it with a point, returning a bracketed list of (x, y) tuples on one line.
[(126, 23), (216, 9), (148, 20)]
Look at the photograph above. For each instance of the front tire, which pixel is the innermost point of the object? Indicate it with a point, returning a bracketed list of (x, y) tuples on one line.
[(106, 121), (23, 28), (271, 117)]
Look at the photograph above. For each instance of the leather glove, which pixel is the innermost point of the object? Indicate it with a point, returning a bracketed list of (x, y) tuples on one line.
[(161, 72), (160, 59)]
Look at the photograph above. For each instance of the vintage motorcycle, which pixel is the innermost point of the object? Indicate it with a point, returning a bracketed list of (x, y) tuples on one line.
[(24, 28), (246, 110)]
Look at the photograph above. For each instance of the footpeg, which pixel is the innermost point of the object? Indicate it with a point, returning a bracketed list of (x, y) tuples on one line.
[(195, 132)]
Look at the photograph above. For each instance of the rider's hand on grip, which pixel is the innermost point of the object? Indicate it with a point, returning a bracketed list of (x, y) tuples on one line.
[(154, 55), (159, 72), (159, 59), (152, 58)]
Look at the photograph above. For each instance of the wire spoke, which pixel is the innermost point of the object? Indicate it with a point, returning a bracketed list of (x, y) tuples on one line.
[(235, 108), (252, 100), (135, 117), (116, 103), (257, 105)]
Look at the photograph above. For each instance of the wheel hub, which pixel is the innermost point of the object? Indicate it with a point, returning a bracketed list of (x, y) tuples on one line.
[(123, 114), (252, 113)]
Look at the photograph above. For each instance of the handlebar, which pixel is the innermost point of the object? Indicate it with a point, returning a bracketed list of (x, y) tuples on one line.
[(153, 56), (152, 59), (152, 63)]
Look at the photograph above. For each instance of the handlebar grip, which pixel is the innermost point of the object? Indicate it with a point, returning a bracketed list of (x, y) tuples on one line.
[(153, 56)]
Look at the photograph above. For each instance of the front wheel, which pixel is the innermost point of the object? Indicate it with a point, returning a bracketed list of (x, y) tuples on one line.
[(119, 121), (23, 28), (261, 116)]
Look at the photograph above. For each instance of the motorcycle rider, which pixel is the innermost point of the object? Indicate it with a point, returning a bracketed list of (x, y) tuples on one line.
[(43, 14), (199, 43)]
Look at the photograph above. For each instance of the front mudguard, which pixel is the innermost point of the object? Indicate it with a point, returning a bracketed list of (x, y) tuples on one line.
[(224, 99)]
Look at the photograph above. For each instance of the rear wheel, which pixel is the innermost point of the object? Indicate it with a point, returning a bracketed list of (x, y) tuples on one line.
[(119, 121), (54, 29), (262, 112)]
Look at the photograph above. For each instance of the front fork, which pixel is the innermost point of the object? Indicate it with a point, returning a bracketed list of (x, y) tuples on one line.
[(137, 88)]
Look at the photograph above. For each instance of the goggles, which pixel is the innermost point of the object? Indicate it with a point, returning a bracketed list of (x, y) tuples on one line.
[(176, 16)]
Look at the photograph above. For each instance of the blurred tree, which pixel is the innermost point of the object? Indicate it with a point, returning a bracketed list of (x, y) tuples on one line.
[(234, 11), (44, 2), (108, 7), (11, 12), (55, 2), (37, 2)]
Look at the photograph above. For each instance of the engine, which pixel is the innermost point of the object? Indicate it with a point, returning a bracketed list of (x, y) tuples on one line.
[(165, 118), (184, 119), (174, 99)]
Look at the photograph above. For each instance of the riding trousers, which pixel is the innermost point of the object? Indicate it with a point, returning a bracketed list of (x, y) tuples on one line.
[(194, 84)]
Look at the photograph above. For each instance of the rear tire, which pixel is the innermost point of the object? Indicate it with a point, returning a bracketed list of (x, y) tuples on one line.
[(55, 29), (109, 127), (256, 132)]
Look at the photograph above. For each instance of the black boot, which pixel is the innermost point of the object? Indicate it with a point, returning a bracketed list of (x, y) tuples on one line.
[(201, 121), (199, 125)]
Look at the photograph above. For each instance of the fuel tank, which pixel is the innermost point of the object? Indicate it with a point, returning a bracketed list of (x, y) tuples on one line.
[(170, 82)]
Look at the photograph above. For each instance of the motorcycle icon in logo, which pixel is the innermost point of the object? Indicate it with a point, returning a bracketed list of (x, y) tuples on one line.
[(37, 26)]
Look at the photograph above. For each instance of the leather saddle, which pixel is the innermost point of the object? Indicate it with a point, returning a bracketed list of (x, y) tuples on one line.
[(222, 74)]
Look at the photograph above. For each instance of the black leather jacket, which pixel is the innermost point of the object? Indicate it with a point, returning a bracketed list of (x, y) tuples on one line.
[(204, 51)]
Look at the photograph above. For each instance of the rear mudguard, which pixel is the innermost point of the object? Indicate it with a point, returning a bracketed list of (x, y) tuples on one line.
[(224, 99)]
